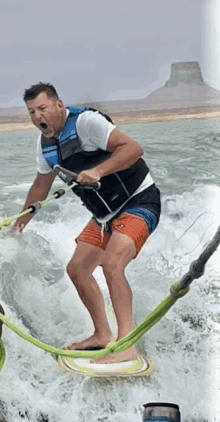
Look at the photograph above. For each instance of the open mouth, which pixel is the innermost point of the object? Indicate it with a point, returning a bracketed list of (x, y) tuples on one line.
[(44, 125)]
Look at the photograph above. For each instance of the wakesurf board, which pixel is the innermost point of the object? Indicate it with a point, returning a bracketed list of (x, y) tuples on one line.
[(141, 367)]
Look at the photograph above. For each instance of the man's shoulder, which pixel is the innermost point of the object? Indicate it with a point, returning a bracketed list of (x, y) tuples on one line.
[(86, 117), (93, 118)]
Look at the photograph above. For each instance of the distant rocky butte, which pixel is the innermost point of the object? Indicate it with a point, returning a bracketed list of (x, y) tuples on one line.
[(186, 72), (185, 88)]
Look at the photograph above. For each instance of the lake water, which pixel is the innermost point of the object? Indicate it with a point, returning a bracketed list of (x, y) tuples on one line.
[(39, 298)]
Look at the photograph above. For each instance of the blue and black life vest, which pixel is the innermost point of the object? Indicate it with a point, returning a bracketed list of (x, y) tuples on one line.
[(116, 188)]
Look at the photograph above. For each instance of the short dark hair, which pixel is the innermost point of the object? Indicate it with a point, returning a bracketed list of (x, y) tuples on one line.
[(35, 90)]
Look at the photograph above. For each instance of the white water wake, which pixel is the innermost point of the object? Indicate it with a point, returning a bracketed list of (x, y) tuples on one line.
[(38, 297)]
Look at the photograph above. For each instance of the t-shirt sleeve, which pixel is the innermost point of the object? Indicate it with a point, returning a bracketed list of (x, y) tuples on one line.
[(42, 166), (93, 130)]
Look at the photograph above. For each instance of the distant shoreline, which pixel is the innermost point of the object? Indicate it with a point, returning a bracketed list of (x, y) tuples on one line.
[(22, 123), (151, 116), (15, 127)]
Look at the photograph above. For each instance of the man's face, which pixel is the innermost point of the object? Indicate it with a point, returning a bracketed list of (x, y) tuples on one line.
[(47, 114)]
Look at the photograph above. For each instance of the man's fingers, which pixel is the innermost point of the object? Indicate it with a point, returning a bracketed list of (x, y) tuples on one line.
[(20, 227), (15, 229)]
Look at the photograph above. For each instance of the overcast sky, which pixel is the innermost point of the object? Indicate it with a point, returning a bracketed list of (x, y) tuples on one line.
[(101, 50)]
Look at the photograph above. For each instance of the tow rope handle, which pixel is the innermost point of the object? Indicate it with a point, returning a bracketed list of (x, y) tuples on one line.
[(69, 177)]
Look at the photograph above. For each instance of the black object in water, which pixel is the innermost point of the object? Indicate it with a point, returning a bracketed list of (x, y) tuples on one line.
[(161, 412)]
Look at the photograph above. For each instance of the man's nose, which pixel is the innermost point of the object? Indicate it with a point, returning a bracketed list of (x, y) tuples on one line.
[(38, 114)]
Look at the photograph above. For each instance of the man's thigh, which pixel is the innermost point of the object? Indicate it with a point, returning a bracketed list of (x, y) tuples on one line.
[(134, 227), (86, 256), (120, 250)]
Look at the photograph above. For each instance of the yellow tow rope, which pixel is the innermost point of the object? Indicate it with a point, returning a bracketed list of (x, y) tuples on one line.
[(177, 290), (112, 347), (36, 206)]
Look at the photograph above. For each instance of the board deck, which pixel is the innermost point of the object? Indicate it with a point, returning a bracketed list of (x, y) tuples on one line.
[(135, 368)]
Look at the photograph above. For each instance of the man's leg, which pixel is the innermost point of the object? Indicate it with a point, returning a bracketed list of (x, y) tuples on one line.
[(121, 249), (80, 268)]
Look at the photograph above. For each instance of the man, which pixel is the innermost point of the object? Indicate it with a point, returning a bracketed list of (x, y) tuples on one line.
[(125, 209)]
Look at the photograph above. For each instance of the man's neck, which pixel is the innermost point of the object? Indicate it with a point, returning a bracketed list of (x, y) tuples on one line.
[(65, 116)]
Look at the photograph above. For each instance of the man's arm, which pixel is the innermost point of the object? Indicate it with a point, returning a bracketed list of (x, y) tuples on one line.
[(38, 192), (125, 152)]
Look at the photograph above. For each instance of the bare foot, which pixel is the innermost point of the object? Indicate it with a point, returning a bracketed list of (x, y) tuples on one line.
[(129, 354), (95, 341)]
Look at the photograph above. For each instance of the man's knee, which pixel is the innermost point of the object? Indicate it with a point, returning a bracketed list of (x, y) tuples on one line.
[(74, 270), (84, 261), (70, 269), (80, 267)]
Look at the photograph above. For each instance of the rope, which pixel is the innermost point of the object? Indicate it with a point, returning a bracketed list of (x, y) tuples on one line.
[(67, 177), (197, 267), (113, 347), (36, 206), (177, 290), (2, 354)]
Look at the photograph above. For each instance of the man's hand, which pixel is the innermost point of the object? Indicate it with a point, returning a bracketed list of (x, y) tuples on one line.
[(21, 222), (18, 225), (88, 176), (37, 192)]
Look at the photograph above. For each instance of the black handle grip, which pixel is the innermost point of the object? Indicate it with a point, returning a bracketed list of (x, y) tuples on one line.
[(65, 175), (34, 207), (69, 177), (92, 185)]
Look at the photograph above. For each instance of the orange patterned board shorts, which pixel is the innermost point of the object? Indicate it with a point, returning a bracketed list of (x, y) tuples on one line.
[(138, 219), (131, 225)]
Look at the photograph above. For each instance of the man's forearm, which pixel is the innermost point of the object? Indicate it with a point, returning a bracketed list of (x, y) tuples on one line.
[(121, 159), (35, 194), (38, 192)]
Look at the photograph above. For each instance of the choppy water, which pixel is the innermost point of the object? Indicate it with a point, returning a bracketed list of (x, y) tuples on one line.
[(38, 296)]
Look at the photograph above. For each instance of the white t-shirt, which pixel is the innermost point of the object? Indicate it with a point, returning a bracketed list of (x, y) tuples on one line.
[(93, 131)]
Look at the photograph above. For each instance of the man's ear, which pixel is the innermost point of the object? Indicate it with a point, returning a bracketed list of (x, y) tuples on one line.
[(60, 104)]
